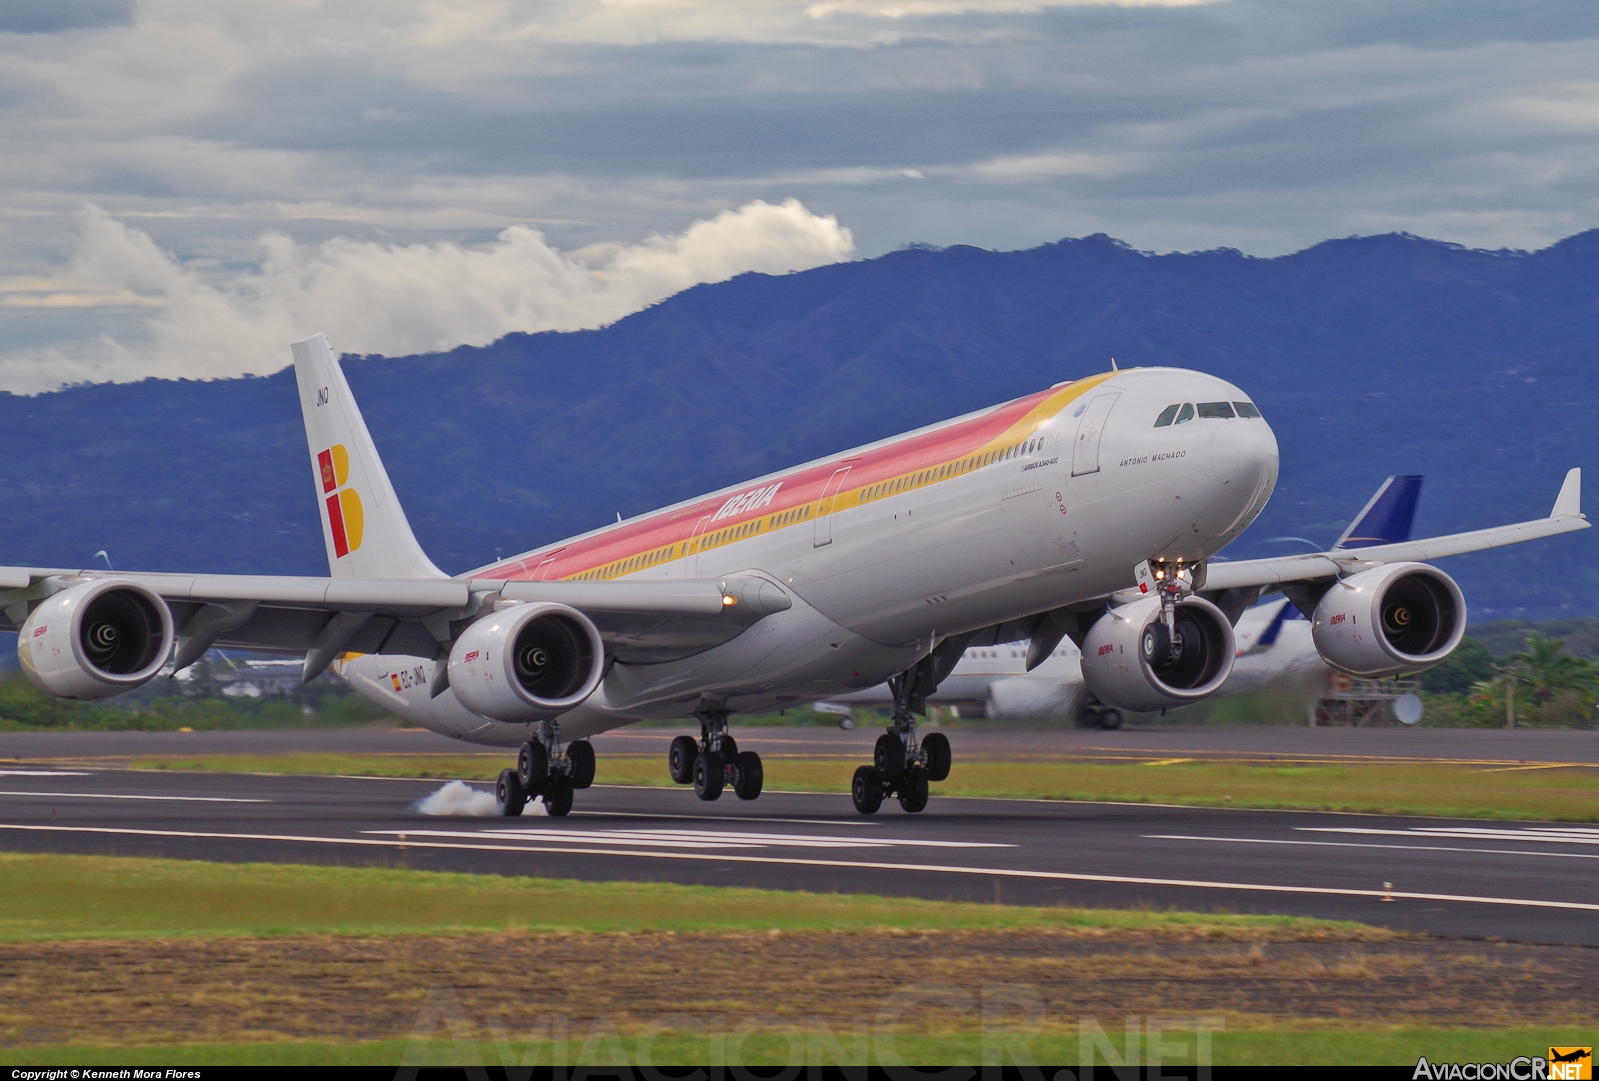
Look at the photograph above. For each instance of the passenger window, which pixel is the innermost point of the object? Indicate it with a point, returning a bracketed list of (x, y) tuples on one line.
[(1247, 409), (1215, 411), (1185, 414), (1166, 415)]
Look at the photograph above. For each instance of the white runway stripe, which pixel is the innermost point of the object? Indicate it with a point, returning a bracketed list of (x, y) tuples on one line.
[(1358, 844), (799, 861), (42, 773), (1563, 835), (109, 795), (681, 838)]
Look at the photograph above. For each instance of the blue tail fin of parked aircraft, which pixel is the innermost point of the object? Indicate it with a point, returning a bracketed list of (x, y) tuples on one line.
[(1386, 519)]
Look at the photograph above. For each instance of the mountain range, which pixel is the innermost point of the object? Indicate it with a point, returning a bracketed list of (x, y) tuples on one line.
[(1369, 356)]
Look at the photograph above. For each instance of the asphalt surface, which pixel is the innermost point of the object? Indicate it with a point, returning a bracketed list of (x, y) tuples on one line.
[(973, 742), (1519, 881)]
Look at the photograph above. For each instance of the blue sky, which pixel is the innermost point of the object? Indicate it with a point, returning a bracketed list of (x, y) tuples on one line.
[(186, 185)]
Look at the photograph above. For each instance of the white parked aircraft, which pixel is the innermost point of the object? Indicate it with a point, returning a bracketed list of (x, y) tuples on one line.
[(1273, 651), (1086, 511), (1274, 648)]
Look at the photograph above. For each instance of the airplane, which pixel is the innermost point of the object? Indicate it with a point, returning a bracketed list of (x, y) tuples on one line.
[(1274, 648), (1088, 510)]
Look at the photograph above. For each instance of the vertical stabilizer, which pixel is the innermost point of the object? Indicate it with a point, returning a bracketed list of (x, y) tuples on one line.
[(363, 526), (1387, 518)]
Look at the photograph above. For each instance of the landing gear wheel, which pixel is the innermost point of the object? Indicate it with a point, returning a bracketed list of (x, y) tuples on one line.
[(751, 776), (913, 792), (729, 748), (680, 759), (889, 755), (581, 755), (558, 804), (533, 767), (936, 747), (866, 790), (509, 795), (709, 777), (1110, 719)]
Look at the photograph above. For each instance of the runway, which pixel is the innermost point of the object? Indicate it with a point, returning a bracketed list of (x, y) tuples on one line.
[(1471, 878)]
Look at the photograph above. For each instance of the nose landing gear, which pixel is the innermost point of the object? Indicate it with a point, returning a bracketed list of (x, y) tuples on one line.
[(544, 771), (713, 762)]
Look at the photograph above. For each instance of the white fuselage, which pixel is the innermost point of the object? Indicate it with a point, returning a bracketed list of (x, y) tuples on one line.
[(888, 548)]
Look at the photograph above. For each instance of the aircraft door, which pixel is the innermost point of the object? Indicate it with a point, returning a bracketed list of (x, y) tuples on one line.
[(691, 559), (824, 507), (1090, 429)]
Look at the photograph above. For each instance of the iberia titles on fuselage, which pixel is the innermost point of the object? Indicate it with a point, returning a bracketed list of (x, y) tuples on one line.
[(883, 550)]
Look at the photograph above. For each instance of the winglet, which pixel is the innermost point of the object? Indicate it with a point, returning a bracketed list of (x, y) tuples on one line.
[(363, 526), (1569, 502)]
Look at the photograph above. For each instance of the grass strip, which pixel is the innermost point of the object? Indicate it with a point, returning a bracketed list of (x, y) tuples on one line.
[(49, 896), (1266, 1047), (1442, 790)]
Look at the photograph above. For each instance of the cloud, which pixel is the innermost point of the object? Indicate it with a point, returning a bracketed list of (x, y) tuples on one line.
[(50, 16), (382, 298)]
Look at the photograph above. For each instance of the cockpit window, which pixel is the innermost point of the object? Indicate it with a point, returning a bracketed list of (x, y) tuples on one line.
[(1166, 416), (1247, 409), (1216, 410), (1186, 414)]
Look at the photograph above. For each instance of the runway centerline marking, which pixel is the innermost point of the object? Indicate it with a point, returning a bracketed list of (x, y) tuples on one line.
[(691, 838), (109, 795), (1359, 844), (800, 861)]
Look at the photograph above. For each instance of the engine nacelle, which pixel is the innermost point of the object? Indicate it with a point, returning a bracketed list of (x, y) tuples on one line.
[(1127, 662), (96, 639), (1391, 619), (527, 662)]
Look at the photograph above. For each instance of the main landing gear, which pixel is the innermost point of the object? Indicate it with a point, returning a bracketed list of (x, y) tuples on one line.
[(544, 771), (902, 766), (714, 762)]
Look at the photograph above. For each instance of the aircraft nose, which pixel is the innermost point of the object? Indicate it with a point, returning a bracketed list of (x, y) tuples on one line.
[(1243, 457)]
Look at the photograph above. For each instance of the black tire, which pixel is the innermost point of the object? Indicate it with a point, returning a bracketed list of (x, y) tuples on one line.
[(729, 748), (913, 792), (680, 759), (581, 755), (533, 767), (709, 777), (751, 775), (936, 745), (866, 789), (888, 757), (1110, 719), (509, 795), (558, 804)]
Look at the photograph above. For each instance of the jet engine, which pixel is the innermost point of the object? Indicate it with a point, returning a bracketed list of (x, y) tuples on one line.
[(527, 662), (1400, 617), (1131, 661), (96, 639)]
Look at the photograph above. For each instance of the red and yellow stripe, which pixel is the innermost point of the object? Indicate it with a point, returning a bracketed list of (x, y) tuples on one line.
[(913, 461)]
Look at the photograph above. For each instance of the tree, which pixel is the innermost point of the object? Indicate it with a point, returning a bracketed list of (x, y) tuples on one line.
[(1469, 664)]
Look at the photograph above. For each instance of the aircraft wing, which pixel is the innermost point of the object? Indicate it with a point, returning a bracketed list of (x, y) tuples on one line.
[(1565, 517), (640, 620)]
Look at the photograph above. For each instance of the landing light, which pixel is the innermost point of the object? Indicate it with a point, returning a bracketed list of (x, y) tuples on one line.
[(728, 602)]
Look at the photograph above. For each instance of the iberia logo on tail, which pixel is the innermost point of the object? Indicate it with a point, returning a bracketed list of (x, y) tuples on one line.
[(345, 517)]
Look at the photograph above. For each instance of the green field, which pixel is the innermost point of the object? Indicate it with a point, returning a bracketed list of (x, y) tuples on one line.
[(69, 897), (1396, 1046), (1428, 788)]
